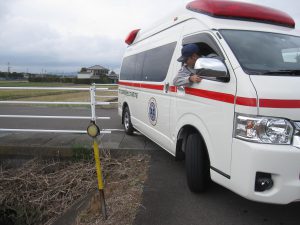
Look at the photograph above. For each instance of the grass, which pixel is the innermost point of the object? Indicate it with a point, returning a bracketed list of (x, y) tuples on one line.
[(70, 96)]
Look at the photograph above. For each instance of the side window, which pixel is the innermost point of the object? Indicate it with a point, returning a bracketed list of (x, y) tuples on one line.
[(128, 68), (139, 61), (205, 49), (151, 65), (206, 43), (208, 47), (132, 67), (157, 62)]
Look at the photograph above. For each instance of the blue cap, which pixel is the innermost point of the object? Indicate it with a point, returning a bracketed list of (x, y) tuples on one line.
[(187, 51)]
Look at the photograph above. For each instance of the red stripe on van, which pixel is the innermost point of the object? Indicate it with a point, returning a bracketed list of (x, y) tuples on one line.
[(279, 103), (210, 95), (246, 101), (153, 86), (129, 84), (142, 85), (173, 89), (223, 97)]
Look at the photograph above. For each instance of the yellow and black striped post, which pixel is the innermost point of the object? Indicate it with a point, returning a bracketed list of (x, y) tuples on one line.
[(93, 131), (99, 177)]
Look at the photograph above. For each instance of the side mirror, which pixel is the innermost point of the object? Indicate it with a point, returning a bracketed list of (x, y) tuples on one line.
[(212, 67)]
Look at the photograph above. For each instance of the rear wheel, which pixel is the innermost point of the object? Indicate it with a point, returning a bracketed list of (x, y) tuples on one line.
[(127, 122), (197, 164)]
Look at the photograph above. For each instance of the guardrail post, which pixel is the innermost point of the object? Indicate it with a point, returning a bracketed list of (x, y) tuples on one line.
[(93, 102)]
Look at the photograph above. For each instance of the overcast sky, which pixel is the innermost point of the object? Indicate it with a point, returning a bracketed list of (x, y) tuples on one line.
[(65, 35)]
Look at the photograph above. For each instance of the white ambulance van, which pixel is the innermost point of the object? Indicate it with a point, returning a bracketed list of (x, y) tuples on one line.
[(240, 126)]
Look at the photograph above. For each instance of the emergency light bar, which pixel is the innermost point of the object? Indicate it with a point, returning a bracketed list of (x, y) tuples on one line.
[(131, 36), (241, 10)]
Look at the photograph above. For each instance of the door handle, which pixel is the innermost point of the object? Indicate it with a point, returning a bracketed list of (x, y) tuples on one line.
[(181, 91), (166, 87)]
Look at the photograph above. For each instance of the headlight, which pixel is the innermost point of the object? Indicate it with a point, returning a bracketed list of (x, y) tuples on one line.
[(263, 129)]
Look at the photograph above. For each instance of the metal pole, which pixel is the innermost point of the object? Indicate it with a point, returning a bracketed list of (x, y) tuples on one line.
[(105, 131), (52, 117), (93, 102), (49, 88), (46, 103)]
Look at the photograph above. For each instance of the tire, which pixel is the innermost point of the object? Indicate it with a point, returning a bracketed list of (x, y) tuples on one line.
[(127, 122), (180, 156), (197, 164)]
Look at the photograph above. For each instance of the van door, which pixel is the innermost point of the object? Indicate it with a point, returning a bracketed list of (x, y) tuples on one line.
[(154, 103), (153, 112), (208, 106)]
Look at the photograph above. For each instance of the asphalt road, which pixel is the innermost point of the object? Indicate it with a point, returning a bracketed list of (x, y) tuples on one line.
[(113, 123), (168, 201)]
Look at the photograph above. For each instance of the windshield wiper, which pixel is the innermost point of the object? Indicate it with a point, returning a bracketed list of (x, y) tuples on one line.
[(283, 72)]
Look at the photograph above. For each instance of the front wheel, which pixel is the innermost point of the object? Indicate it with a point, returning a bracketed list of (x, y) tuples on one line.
[(128, 127), (197, 164)]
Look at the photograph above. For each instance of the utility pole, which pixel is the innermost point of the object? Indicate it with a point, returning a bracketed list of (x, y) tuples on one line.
[(8, 70)]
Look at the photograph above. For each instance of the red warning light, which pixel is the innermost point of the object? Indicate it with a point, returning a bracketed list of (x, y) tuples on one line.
[(241, 10), (131, 36)]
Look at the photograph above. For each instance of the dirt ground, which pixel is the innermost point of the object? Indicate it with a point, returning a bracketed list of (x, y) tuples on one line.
[(39, 191)]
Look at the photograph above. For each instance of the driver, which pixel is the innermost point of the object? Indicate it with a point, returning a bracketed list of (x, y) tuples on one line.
[(186, 76)]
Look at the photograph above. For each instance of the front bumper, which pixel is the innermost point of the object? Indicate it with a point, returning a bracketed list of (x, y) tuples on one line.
[(281, 161)]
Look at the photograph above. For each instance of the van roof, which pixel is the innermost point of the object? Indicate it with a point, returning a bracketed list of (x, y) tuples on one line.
[(212, 18)]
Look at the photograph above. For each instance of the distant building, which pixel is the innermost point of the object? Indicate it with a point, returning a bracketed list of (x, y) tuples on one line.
[(26, 75), (93, 72), (113, 76)]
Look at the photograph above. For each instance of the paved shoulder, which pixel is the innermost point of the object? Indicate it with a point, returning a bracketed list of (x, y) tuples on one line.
[(168, 201)]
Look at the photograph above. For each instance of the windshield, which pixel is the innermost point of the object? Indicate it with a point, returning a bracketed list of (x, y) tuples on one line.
[(265, 53)]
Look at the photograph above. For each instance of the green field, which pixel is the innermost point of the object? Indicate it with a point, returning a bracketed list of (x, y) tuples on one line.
[(50, 95)]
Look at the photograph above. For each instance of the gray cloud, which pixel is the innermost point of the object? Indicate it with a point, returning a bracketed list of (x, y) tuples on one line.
[(33, 43), (60, 52), (28, 42), (3, 8), (54, 35)]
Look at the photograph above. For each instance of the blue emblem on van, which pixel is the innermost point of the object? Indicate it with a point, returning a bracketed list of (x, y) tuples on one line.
[(152, 111)]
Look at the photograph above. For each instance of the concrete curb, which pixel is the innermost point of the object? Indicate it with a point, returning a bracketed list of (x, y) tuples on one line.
[(11, 152), (68, 146), (70, 215)]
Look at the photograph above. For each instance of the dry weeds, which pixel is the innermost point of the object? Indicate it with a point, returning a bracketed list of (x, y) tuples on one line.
[(123, 193), (40, 191)]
